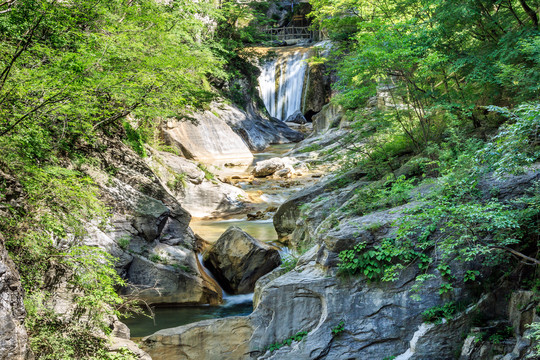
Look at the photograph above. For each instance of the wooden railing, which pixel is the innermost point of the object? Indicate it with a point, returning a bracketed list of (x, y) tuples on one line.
[(289, 33)]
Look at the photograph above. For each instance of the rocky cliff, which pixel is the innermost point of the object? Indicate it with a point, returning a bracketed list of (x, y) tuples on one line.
[(13, 338), (312, 312)]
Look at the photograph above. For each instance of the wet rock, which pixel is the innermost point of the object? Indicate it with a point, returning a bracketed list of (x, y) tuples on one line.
[(297, 118), (287, 173), (237, 260), (270, 209), (259, 215)]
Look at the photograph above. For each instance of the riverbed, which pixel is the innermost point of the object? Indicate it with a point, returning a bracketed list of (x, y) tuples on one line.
[(268, 194)]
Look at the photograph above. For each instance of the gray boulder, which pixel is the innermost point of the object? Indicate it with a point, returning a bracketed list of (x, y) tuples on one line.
[(297, 118), (271, 166), (268, 167), (171, 275), (237, 260)]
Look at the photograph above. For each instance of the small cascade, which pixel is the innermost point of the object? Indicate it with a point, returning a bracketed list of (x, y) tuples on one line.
[(281, 83), (229, 300)]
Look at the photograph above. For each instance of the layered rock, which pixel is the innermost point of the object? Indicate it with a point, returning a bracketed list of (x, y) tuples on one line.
[(317, 90), (330, 116), (210, 340), (256, 130), (206, 138), (378, 319), (13, 337), (288, 214), (148, 233), (227, 132), (201, 193), (238, 260)]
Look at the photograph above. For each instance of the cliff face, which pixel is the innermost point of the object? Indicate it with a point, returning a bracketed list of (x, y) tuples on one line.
[(378, 319), (13, 337)]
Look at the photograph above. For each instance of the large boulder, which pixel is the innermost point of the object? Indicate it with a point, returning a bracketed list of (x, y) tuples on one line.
[(271, 166), (237, 260), (268, 167), (297, 118), (171, 275)]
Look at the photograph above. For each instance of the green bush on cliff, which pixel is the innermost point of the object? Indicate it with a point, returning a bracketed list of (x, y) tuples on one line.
[(287, 342), (43, 238)]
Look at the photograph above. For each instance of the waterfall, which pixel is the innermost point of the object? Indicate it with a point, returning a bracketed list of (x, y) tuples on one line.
[(281, 83)]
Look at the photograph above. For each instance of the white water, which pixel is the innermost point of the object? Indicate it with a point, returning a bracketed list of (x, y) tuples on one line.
[(281, 83), (228, 299)]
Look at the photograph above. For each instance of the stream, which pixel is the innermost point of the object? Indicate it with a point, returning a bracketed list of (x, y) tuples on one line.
[(269, 193)]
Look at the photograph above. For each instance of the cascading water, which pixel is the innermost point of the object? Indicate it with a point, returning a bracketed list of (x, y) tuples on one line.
[(281, 83)]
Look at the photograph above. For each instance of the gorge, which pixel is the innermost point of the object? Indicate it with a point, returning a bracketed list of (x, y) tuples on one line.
[(243, 180)]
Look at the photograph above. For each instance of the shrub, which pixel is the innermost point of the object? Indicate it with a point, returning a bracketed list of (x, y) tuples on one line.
[(287, 342), (436, 314)]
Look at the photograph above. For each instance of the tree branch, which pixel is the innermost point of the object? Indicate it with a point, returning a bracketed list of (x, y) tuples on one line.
[(518, 254)]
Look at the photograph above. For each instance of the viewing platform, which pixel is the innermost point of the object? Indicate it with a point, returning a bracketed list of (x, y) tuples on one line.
[(290, 33)]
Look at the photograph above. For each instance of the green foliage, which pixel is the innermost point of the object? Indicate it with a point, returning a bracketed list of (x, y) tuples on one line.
[(179, 182), (208, 175), (495, 336), (135, 139), (438, 67), (287, 342), (103, 62), (377, 196), (184, 268), (436, 314), (379, 262), (535, 336), (288, 262), (43, 241), (517, 144), (310, 148), (157, 258), (124, 242), (338, 329)]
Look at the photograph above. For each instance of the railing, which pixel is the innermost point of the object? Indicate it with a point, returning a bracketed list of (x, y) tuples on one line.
[(289, 33)]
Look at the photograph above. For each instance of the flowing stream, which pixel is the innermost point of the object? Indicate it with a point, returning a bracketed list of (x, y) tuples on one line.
[(233, 305)]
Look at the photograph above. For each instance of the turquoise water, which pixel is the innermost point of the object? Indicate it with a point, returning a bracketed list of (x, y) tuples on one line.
[(169, 317)]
